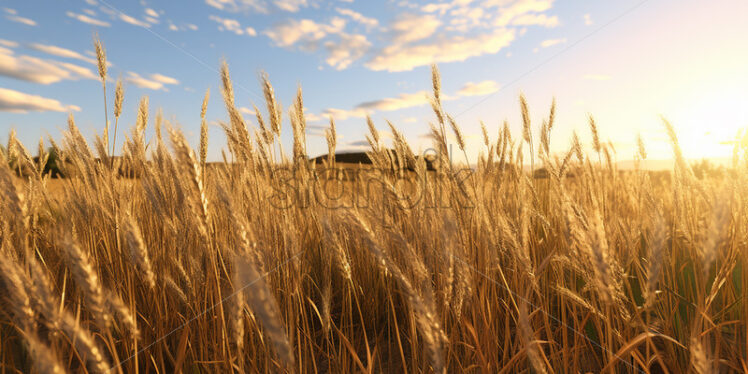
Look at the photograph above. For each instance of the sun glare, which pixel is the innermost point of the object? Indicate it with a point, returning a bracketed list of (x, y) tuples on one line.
[(708, 123)]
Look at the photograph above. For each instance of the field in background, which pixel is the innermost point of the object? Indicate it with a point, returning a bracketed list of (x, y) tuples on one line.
[(251, 268)]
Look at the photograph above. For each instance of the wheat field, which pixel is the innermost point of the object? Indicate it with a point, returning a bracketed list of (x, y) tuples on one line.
[(267, 263)]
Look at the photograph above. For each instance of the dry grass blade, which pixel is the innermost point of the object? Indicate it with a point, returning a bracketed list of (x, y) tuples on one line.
[(595, 135), (528, 338), (45, 360), (138, 251), (15, 285), (204, 131), (273, 107), (655, 259), (263, 304), (88, 280), (424, 312), (186, 157)]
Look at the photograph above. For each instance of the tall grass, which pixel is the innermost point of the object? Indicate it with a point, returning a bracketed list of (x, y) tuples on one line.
[(236, 267)]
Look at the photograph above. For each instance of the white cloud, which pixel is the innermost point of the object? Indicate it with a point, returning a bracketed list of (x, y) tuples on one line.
[(79, 71), (402, 101), (86, 19), (467, 17), (61, 52), (37, 70), (410, 27), (23, 20), (440, 8), (10, 11), (290, 5), (247, 111), (221, 4), (19, 102), (349, 49), (342, 114), (164, 79), (509, 12), (358, 17), (308, 32), (408, 100), (8, 43), (478, 89), (257, 6), (232, 25), (405, 100), (597, 77), (311, 117), (587, 19), (108, 11), (308, 35), (444, 49), (151, 13), (153, 82), (551, 42), (133, 21), (188, 26)]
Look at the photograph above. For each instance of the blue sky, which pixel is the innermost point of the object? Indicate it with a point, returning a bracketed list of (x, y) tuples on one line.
[(625, 62)]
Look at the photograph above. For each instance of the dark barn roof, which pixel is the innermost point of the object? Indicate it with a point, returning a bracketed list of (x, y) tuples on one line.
[(364, 159)]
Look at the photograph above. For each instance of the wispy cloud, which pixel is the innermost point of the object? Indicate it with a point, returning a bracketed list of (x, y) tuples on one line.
[(257, 6), (247, 111), (61, 52), (151, 13), (441, 32), (408, 100), (344, 52), (232, 25), (86, 19), (402, 101), (37, 70), (189, 26), (164, 79), (23, 20), (507, 13), (8, 43), (551, 42), (132, 20), (443, 49), (19, 102), (413, 27), (358, 17), (12, 15), (304, 31), (478, 89), (154, 82)]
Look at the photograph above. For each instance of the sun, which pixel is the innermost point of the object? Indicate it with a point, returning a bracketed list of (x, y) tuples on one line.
[(709, 122)]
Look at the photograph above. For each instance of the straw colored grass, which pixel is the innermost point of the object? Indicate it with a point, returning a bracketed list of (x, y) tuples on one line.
[(242, 267)]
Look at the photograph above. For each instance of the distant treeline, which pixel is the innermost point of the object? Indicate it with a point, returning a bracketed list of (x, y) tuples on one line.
[(55, 165)]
